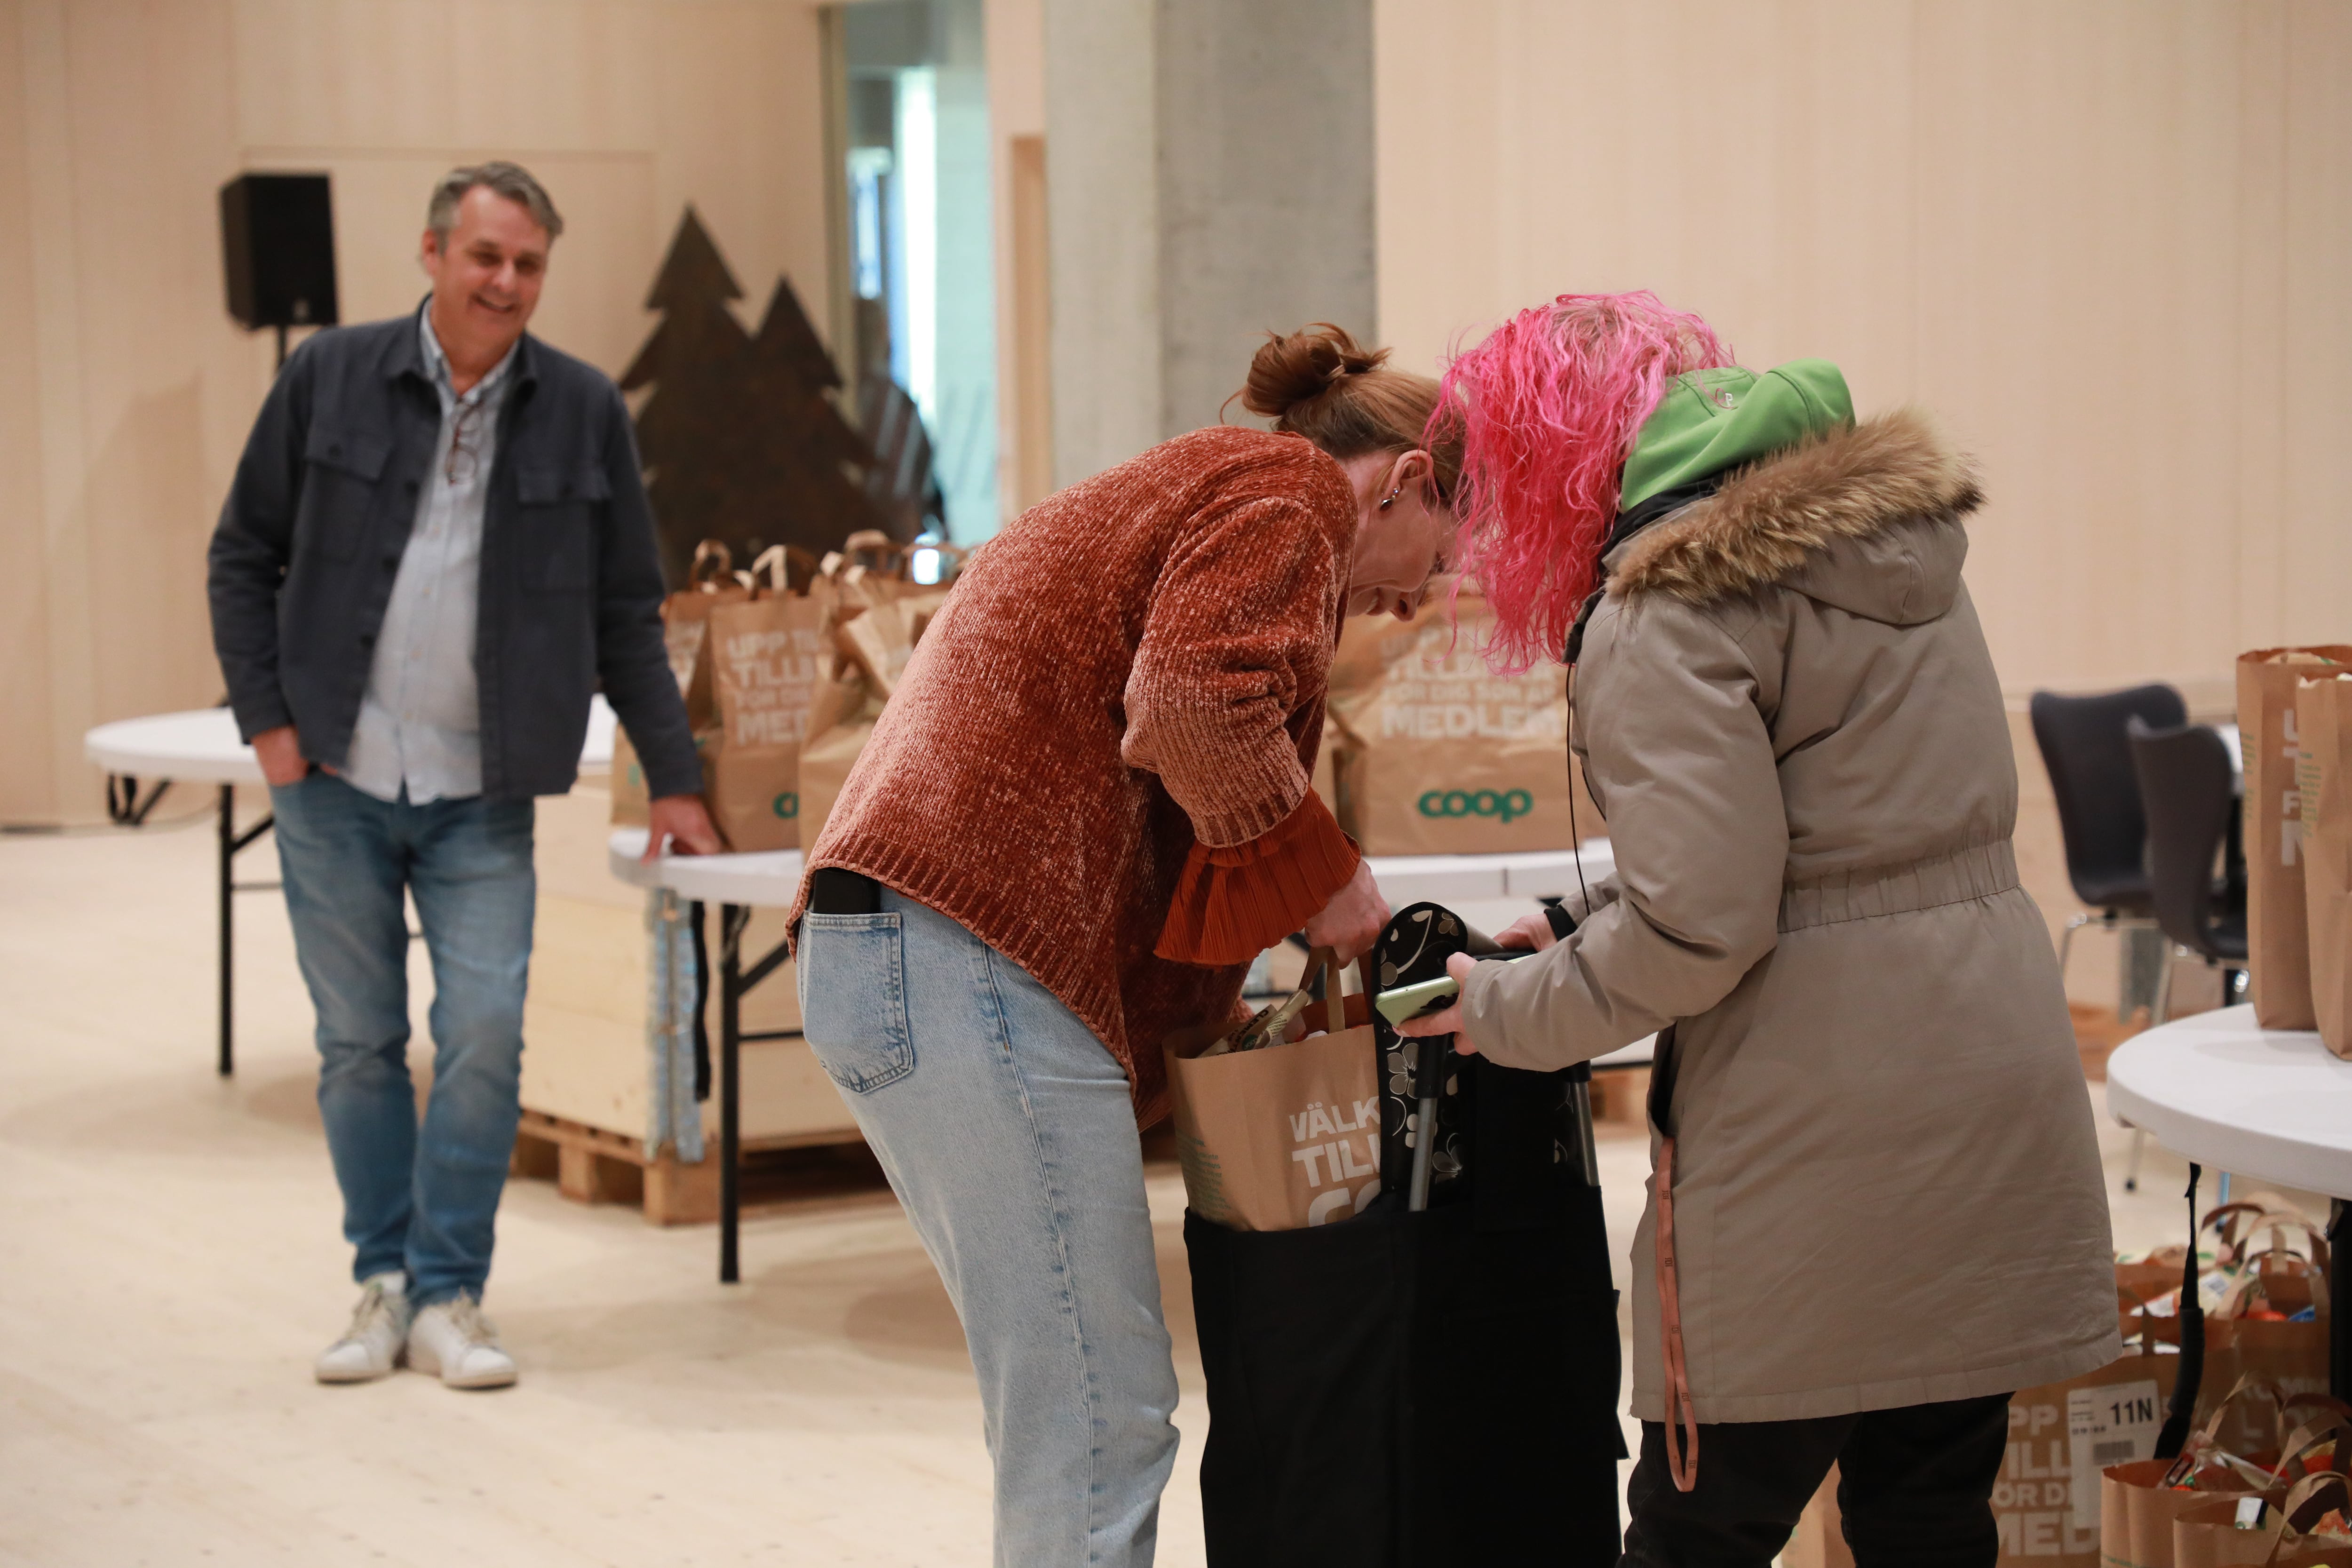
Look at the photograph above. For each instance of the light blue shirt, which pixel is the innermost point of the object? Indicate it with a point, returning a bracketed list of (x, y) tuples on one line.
[(420, 724)]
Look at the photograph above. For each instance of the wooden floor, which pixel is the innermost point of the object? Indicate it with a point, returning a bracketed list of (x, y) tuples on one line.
[(169, 1262)]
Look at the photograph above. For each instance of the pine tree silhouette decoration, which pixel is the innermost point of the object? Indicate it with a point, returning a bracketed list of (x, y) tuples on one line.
[(739, 440)]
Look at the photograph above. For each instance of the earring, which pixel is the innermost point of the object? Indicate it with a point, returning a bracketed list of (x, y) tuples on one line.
[(1390, 496)]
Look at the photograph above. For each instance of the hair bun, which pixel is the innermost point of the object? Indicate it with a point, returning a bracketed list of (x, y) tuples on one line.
[(1290, 370)]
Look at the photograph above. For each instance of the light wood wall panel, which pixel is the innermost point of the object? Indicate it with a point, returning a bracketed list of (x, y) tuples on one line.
[(126, 391), (2103, 238), (25, 772)]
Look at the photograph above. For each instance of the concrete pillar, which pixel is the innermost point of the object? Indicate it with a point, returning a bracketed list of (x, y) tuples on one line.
[(1209, 167)]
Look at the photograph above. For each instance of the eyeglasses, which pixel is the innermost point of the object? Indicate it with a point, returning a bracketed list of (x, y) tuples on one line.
[(465, 459)]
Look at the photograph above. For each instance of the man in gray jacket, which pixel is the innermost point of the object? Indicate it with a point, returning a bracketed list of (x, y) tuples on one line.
[(437, 548)]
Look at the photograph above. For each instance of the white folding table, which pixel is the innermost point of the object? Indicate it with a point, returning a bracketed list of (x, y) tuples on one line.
[(2218, 1088), (201, 746), (737, 884)]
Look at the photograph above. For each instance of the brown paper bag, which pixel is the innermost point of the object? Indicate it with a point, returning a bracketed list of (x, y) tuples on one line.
[(686, 617), (631, 802), (1437, 755), (2277, 919), (767, 656), (631, 805), (2207, 1536), (711, 582), (2047, 1503), (2248, 1342), (1284, 1137), (841, 717), (2323, 710), (2135, 1493), (2210, 1536), (872, 646)]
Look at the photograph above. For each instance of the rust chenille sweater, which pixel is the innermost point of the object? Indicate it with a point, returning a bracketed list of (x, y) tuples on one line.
[(1133, 666)]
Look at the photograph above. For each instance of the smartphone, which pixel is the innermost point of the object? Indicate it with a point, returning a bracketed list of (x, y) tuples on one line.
[(1412, 1001)]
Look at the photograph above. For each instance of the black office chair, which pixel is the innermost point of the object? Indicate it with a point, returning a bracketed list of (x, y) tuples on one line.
[(2100, 817), (2189, 791)]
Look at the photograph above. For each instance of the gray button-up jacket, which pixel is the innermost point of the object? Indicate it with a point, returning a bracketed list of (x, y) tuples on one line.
[(319, 517)]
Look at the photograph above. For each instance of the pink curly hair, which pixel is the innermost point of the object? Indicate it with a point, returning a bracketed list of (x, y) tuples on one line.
[(1549, 406)]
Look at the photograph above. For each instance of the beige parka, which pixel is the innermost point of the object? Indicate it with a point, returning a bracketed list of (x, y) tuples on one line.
[(1887, 1188)]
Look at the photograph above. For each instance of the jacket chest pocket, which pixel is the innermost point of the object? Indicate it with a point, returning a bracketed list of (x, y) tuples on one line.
[(342, 479), (558, 509)]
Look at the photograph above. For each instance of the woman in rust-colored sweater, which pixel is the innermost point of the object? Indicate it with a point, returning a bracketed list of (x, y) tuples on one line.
[(1084, 812)]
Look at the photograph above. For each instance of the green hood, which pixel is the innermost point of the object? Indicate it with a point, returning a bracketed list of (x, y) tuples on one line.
[(1711, 420)]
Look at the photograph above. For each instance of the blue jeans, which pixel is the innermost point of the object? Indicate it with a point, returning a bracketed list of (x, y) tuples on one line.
[(1007, 1131), (425, 1202)]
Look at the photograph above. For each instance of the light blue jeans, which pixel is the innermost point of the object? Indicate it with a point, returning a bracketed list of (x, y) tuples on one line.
[(1006, 1130), (426, 1202)]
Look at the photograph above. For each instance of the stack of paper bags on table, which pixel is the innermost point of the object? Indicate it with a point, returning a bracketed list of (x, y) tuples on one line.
[(767, 657), (878, 614), (1435, 753), (2282, 944), (712, 582), (2322, 710)]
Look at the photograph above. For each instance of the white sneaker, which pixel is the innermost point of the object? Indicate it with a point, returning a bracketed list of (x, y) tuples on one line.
[(452, 1340), (371, 1347)]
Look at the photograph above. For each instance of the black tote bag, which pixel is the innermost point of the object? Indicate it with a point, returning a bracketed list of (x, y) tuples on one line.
[(1423, 1390)]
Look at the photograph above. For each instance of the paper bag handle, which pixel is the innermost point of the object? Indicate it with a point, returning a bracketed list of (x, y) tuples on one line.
[(874, 541), (712, 560), (785, 569), (2308, 1501), (1325, 961)]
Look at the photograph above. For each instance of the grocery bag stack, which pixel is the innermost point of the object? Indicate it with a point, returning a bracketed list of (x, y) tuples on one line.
[(1436, 754), (2294, 716), (784, 669), (2081, 1483)]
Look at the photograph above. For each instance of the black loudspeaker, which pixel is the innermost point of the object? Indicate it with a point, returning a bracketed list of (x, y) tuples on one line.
[(278, 246)]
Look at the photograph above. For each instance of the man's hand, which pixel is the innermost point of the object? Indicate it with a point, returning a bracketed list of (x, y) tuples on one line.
[(1448, 1022), (1354, 918), (679, 821), (280, 753)]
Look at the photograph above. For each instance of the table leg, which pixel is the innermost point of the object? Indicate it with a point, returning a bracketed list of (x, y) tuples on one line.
[(733, 918), (228, 928), (2339, 1325)]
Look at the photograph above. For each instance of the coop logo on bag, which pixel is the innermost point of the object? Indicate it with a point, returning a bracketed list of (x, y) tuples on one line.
[(1328, 1137), (786, 805), (1503, 804)]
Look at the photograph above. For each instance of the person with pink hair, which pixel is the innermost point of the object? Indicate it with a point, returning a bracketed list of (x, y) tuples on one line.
[(1876, 1207)]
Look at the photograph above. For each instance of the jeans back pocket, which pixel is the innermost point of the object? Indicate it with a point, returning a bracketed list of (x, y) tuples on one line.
[(853, 984)]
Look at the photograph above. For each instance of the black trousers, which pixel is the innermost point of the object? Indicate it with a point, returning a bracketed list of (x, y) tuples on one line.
[(1915, 1485)]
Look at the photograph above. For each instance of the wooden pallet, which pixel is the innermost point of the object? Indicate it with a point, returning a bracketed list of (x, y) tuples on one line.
[(592, 1165)]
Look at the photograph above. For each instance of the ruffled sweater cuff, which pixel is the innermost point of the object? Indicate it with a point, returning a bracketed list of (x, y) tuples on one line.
[(1235, 901)]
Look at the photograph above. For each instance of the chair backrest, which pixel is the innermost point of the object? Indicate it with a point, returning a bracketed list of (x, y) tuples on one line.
[(2099, 813), (2186, 782)]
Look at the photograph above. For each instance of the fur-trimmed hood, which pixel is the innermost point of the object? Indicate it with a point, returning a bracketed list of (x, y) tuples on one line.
[(1866, 518)]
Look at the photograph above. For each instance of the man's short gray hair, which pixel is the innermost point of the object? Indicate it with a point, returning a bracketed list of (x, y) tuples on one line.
[(511, 181)]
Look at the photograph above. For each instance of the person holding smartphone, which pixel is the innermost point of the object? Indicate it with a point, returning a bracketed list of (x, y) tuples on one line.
[(1878, 1208)]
